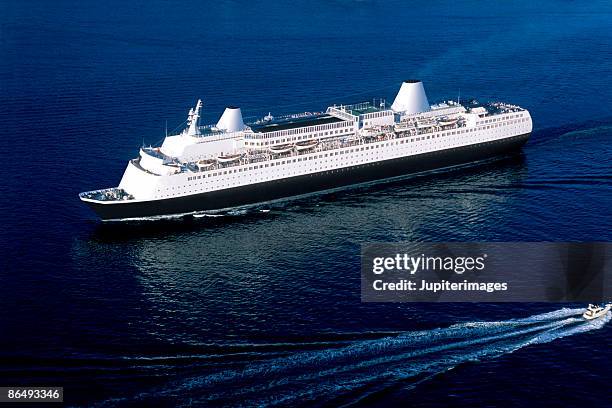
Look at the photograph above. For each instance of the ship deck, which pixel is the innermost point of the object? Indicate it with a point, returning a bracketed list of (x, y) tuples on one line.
[(295, 123), (363, 111)]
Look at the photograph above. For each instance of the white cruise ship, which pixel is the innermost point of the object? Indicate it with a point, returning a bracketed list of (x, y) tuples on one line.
[(232, 164)]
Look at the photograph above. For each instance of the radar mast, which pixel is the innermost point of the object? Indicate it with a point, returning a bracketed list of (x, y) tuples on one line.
[(192, 119)]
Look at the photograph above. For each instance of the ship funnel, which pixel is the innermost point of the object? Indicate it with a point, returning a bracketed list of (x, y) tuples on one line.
[(411, 98), (231, 120)]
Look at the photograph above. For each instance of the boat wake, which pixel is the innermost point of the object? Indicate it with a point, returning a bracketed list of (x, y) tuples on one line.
[(349, 373)]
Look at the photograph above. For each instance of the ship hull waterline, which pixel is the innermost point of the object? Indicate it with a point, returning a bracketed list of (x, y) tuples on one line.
[(309, 183)]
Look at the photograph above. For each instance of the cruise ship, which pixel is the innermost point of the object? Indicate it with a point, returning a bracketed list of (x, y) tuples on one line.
[(231, 164)]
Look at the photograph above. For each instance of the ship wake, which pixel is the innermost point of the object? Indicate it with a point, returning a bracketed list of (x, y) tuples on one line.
[(347, 374)]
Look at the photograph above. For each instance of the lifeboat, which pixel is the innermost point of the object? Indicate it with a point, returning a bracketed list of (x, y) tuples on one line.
[(402, 126), (308, 144), (366, 132), (447, 121), (228, 158), (205, 164), (278, 149), (425, 125)]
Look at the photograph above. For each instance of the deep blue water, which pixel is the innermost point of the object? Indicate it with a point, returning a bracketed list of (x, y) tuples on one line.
[(257, 308)]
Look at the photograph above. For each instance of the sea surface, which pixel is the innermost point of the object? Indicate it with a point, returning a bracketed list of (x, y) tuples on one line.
[(263, 307)]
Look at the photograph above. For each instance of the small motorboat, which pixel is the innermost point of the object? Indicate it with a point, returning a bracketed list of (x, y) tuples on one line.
[(229, 158), (308, 144), (278, 149), (595, 311)]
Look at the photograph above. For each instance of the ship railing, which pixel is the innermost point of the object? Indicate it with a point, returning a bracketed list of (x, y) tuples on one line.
[(156, 152), (341, 114), (209, 134)]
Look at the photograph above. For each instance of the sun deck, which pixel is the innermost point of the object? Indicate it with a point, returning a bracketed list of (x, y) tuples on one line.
[(295, 123), (363, 110)]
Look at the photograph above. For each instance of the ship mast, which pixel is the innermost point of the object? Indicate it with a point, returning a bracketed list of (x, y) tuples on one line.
[(192, 119)]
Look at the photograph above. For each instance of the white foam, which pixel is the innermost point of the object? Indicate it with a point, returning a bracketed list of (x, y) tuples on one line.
[(407, 355)]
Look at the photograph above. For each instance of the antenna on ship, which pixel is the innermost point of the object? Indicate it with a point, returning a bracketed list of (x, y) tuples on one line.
[(166, 127), (459, 97)]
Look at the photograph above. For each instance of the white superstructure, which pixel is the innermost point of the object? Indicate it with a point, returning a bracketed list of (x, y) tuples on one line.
[(230, 154)]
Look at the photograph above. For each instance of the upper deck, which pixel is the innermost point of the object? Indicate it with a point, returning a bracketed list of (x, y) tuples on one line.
[(294, 123)]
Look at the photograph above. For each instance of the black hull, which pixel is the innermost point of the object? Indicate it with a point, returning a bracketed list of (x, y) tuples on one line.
[(325, 180)]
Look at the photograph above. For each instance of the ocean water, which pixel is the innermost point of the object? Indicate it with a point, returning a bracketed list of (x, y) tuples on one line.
[(263, 308)]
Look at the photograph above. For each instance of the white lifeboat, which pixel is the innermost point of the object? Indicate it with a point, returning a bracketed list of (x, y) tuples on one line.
[(308, 144), (205, 164), (447, 121), (228, 158), (402, 126), (278, 149), (368, 132), (425, 124)]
